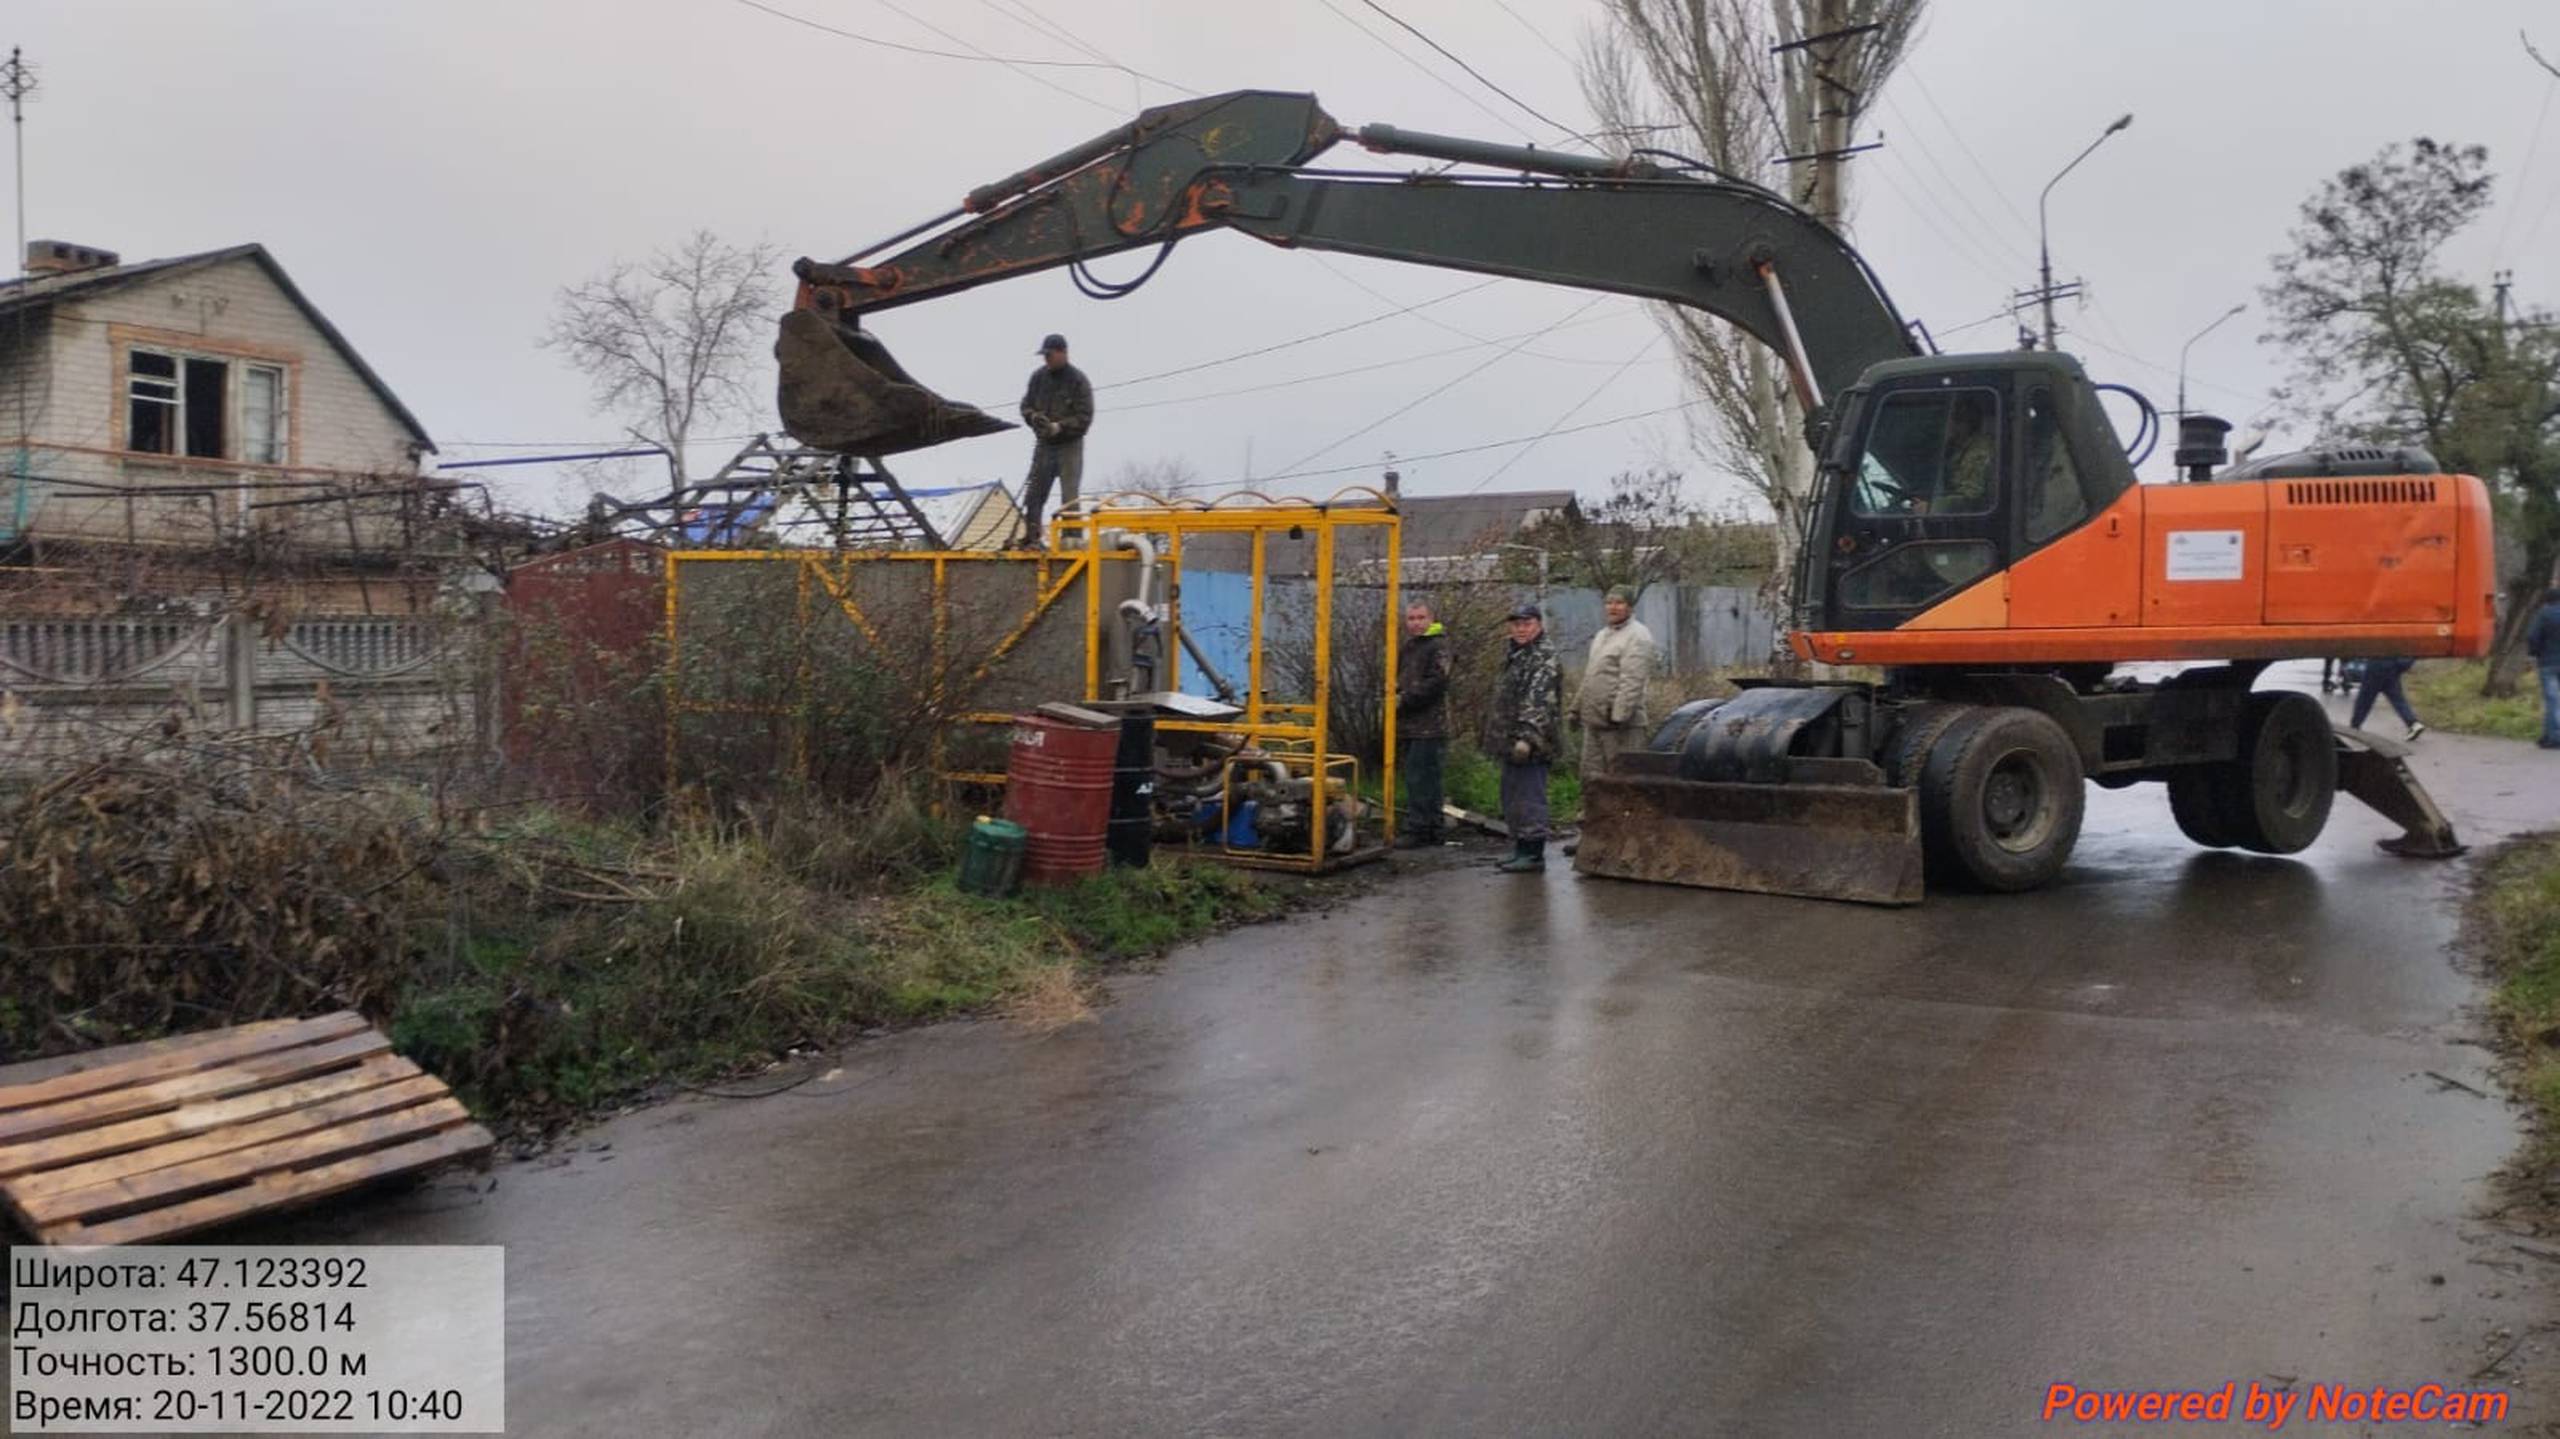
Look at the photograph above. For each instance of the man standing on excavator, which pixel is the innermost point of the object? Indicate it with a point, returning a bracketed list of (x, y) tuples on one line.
[(1058, 406), (1520, 735)]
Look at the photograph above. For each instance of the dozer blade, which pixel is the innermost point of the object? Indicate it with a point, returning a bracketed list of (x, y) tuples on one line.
[(841, 391), (1823, 841)]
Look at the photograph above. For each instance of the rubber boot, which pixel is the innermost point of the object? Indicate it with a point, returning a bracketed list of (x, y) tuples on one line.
[(1528, 856)]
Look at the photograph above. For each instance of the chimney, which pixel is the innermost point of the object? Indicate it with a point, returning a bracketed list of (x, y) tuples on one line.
[(1395, 484), (60, 257)]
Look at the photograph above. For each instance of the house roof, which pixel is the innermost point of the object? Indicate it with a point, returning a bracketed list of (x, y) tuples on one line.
[(952, 511), (1436, 525), (42, 290)]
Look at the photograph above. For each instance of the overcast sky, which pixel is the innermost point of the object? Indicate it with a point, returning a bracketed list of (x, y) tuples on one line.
[(432, 172)]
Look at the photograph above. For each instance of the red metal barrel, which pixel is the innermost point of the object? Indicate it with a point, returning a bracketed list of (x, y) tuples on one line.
[(1057, 786)]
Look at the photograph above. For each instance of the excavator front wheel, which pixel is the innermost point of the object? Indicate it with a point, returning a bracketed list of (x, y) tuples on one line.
[(2001, 797)]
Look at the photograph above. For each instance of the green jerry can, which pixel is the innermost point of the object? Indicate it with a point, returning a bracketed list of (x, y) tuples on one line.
[(991, 863)]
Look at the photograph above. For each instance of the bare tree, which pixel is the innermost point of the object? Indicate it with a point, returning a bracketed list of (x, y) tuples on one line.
[(1165, 478), (1709, 72), (668, 342)]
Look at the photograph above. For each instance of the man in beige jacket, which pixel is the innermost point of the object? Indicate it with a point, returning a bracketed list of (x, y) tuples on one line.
[(1611, 704)]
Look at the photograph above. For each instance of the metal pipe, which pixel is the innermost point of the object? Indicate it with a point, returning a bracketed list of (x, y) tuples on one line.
[(1796, 359), (1388, 140), (1208, 671), (2191, 344)]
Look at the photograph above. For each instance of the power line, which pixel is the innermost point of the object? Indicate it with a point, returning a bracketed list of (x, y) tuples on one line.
[(1468, 449), (1418, 305), (1956, 243), (913, 18), (1912, 133), (1984, 170), (1443, 81), (1074, 41), (1292, 467), (1552, 47), (1452, 58), (2533, 148), (1324, 375), (1606, 381), (1017, 65)]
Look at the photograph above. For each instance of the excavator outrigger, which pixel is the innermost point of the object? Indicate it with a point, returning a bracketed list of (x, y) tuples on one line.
[(1977, 533)]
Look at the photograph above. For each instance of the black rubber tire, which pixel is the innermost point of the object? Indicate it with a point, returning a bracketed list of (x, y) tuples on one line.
[(1918, 729), (2196, 795), (2278, 798), (2001, 798)]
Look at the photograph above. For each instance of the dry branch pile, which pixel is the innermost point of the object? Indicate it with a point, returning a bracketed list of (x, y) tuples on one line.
[(182, 882)]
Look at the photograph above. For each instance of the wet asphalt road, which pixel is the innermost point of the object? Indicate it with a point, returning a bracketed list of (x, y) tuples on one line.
[(1477, 1154)]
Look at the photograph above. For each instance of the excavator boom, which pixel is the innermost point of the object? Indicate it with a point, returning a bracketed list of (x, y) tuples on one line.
[(1241, 162)]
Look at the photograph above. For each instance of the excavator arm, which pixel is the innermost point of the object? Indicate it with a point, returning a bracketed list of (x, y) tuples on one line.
[(1241, 161)]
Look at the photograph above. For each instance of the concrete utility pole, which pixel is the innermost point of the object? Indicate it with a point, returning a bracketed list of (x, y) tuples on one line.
[(2044, 249)]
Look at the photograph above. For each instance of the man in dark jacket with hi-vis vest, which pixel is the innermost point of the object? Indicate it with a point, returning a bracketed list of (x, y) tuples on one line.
[(1058, 406), (1422, 724)]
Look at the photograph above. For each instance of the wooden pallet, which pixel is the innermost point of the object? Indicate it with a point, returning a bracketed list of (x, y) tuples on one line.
[(150, 1141)]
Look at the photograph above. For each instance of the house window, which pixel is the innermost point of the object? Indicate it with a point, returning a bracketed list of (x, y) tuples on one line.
[(174, 405), (262, 414)]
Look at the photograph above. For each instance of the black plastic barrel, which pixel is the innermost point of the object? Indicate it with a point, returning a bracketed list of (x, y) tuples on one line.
[(1133, 791)]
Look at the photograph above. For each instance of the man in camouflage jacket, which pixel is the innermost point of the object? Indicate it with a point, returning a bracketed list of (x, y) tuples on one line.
[(1521, 735)]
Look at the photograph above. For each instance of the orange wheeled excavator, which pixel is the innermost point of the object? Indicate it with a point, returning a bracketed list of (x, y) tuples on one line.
[(1977, 536)]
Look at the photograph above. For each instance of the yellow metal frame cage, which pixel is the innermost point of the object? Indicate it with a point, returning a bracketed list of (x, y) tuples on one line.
[(1294, 731)]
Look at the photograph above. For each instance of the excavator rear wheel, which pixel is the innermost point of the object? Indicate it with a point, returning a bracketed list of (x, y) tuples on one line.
[(2288, 775), (2196, 801), (2001, 797)]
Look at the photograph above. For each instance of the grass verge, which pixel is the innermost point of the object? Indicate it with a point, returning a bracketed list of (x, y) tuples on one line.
[(739, 952), (2517, 911), (1475, 782), (2447, 696)]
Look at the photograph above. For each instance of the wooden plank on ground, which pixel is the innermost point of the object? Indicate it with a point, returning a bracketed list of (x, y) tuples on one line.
[(361, 1104), (276, 1191), (187, 1052), (220, 1171), (133, 1101), (153, 1141), (179, 1123)]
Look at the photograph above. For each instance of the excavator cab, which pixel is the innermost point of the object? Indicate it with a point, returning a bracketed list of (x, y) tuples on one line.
[(1944, 470)]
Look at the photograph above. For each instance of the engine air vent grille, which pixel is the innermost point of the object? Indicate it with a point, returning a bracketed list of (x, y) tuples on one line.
[(2360, 492)]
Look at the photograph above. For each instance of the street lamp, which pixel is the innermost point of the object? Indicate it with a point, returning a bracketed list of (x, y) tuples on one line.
[(2044, 250), (2191, 344)]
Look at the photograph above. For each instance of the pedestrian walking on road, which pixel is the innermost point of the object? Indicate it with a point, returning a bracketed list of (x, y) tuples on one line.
[(2542, 641), (1612, 705), (1422, 724), (2382, 678), (1058, 406), (1520, 733)]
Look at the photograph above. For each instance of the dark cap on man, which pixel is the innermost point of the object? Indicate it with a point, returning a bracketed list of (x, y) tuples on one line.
[(1527, 612), (1052, 342), (1623, 594)]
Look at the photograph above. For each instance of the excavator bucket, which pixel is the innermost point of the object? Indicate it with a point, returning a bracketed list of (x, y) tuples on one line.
[(1822, 841), (840, 390)]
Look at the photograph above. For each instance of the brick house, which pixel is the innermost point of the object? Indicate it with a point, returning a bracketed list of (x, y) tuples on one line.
[(211, 505), (195, 401)]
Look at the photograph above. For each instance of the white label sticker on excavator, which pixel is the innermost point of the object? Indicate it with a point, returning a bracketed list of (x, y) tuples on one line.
[(2206, 555)]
